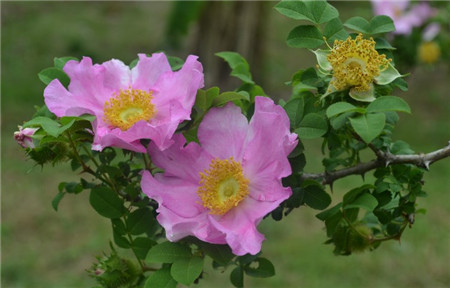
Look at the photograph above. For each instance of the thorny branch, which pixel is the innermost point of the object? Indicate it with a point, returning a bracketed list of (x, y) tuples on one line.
[(384, 159)]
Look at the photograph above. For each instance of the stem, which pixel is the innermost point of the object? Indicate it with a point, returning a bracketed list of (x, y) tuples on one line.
[(384, 159)]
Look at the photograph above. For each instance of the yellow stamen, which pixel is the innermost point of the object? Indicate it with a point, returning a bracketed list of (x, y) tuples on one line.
[(127, 107), (223, 186), (429, 52), (355, 63)]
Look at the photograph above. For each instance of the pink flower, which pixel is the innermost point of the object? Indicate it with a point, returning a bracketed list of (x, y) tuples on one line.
[(23, 137), (146, 102), (405, 17), (220, 191)]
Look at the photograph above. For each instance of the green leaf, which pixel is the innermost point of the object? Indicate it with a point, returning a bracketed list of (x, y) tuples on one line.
[(57, 199), (161, 279), (318, 11), (141, 245), (388, 103), (238, 64), (50, 126), (381, 24), (382, 43), (342, 107), (363, 96), (368, 126), (263, 270), (329, 212), (60, 62), (230, 96), (220, 253), (365, 201), (204, 98), (106, 202), (359, 24), (49, 74), (140, 221), (186, 270), (387, 76), (237, 277), (305, 36), (175, 62), (294, 109), (312, 126), (168, 252), (334, 30), (316, 197)]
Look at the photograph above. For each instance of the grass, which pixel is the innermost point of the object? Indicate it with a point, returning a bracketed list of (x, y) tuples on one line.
[(42, 248)]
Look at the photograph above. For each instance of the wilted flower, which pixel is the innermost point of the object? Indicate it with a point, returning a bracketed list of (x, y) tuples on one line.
[(405, 17), (23, 137), (220, 190), (356, 65), (145, 102)]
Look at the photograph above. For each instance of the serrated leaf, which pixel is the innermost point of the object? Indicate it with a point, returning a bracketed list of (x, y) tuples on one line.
[(161, 279), (305, 36), (230, 96), (57, 199), (381, 24), (49, 74), (106, 202), (167, 252), (140, 221), (334, 30), (316, 198), (237, 277), (318, 11), (312, 126), (342, 107), (264, 269), (141, 245), (388, 103), (222, 254), (329, 212), (359, 24), (294, 109), (365, 201), (368, 126), (186, 270), (239, 66)]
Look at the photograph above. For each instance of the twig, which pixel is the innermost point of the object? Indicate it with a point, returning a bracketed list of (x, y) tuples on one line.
[(384, 159)]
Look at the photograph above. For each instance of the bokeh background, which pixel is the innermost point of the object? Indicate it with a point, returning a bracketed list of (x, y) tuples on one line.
[(44, 248)]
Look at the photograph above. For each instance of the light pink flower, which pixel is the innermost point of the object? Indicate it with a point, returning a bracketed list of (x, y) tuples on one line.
[(220, 191), (405, 17), (146, 102), (23, 137)]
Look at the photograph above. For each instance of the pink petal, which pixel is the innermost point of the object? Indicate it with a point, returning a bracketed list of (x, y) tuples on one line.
[(239, 225), (174, 92), (148, 70), (117, 75), (104, 137), (185, 162), (223, 131), (269, 142), (86, 83), (179, 210), (62, 103)]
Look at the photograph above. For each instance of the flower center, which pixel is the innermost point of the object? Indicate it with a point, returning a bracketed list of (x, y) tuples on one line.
[(223, 186), (127, 107), (355, 63)]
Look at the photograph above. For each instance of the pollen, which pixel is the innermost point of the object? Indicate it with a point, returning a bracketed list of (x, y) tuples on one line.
[(127, 107), (222, 186), (356, 63)]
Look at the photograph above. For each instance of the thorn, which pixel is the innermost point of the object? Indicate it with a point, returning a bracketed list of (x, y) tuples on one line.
[(387, 163), (363, 176), (331, 187), (427, 164)]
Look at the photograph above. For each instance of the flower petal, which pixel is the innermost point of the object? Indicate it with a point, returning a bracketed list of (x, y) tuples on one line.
[(269, 142), (223, 131), (185, 162), (179, 210), (148, 70), (117, 75)]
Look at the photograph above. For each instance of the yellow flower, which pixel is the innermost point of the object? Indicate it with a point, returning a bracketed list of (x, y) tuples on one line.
[(429, 52)]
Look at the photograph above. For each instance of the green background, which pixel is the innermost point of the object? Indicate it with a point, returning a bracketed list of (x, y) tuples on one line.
[(42, 248)]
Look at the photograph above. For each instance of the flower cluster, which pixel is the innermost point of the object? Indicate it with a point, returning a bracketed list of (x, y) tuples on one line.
[(217, 190)]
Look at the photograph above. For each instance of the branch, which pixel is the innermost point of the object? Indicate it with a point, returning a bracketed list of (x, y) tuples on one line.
[(384, 159)]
